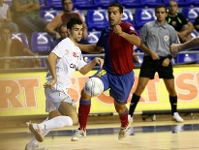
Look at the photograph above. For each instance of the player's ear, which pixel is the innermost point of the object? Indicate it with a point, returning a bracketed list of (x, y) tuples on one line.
[(166, 13), (68, 31), (121, 15)]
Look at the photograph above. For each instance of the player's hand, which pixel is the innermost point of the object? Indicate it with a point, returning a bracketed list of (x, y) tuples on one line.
[(37, 63), (118, 30), (175, 48), (154, 55), (99, 61), (165, 62), (49, 85)]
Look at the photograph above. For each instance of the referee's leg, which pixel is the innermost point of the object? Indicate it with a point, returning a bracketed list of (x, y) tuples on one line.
[(142, 82)]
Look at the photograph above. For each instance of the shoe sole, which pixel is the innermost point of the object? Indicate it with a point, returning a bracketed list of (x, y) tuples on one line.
[(40, 148), (38, 136), (78, 139), (176, 120)]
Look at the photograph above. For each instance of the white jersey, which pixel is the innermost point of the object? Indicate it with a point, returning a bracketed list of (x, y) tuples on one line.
[(70, 59)]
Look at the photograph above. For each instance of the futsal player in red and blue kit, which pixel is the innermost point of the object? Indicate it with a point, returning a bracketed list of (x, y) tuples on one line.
[(117, 41)]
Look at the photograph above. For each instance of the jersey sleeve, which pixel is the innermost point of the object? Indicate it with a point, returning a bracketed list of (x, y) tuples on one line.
[(81, 62), (143, 33), (62, 47), (129, 28)]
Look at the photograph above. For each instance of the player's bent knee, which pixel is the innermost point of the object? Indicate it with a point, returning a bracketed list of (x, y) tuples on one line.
[(120, 108), (53, 114)]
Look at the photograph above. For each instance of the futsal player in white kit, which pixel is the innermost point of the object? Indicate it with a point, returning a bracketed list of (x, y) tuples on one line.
[(62, 62)]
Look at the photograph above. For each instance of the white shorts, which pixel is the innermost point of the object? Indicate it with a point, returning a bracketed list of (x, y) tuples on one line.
[(55, 96)]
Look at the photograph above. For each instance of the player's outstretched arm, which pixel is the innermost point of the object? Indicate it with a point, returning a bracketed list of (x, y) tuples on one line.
[(194, 43), (132, 38), (84, 70), (90, 48)]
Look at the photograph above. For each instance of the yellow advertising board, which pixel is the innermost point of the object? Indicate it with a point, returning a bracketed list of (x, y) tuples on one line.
[(22, 93)]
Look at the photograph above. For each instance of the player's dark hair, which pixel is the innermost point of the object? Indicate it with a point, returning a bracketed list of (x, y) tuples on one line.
[(62, 2), (116, 4), (72, 22), (160, 6), (173, 1)]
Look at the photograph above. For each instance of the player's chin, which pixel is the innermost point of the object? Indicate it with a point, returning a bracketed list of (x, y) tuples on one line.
[(79, 39), (112, 23)]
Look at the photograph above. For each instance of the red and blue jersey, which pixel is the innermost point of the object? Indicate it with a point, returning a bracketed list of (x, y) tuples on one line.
[(118, 51)]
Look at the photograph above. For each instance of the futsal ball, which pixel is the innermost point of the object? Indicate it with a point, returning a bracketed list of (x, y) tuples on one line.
[(94, 86)]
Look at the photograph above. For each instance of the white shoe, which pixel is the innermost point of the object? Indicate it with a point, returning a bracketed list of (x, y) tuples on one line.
[(79, 134), (37, 131), (177, 117), (34, 147), (130, 131), (125, 131)]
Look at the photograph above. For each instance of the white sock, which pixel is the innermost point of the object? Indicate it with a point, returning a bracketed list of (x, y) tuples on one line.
[(57, 122)]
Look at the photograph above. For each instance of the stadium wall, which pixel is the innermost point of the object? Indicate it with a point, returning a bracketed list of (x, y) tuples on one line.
[(22, 93)]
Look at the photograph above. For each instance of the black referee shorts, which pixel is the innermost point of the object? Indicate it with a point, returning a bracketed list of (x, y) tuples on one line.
[(150, 67)]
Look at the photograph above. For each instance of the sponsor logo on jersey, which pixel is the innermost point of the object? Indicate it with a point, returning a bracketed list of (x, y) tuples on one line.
[(166, 37), (132, 28), (67, 51), (74, 54), (173, 23), (73, 66)]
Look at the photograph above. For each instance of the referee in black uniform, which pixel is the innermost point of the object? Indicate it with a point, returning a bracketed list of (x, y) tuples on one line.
[(158, 36)]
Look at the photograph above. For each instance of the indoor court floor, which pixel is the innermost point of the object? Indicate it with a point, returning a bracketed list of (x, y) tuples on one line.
[(162, 134)]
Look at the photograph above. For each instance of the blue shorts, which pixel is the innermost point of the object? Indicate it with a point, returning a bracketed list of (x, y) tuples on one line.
[(120, 85)]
